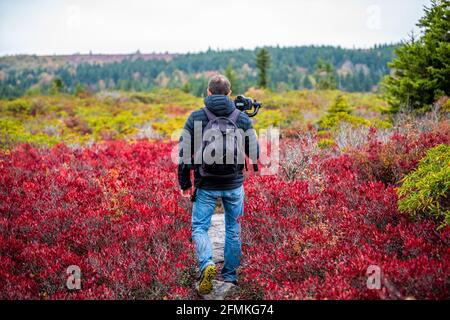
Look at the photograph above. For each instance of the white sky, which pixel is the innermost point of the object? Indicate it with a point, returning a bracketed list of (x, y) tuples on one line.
[(124, 26)]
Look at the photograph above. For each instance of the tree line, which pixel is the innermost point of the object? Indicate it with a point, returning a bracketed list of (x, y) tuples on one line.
[(290, 68)]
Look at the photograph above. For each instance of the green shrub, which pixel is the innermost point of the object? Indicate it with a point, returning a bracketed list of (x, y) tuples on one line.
[(339, 106), (167, 127), (325, 143), (425, 191), (330, 122), (446, 106), (380, 124), (18, 106), (340, 111), (12, 131), (269, 118)]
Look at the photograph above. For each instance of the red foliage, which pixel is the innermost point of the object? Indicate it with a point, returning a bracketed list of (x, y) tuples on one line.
[(113, 210), (301, 244), (388, 162)]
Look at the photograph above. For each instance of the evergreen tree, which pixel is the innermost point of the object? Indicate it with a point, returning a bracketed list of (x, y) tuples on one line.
[(339, 106), (232, 77), (186, 87), (263, 64), (307, 83), (421, 70), (57, 86), (325, 75)]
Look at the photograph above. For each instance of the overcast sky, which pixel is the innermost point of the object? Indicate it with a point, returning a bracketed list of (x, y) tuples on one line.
[(124, 26)]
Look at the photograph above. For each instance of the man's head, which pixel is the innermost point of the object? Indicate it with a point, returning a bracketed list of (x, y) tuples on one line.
[(219, 84)]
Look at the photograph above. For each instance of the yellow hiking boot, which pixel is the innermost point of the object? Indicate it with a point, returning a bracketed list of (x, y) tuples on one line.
[(205, 286)]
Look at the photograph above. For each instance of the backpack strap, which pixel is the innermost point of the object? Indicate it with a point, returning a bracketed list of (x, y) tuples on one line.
[(234, 115), (211, 116)]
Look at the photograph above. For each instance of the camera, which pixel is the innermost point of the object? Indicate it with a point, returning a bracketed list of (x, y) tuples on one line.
[(244, 103)]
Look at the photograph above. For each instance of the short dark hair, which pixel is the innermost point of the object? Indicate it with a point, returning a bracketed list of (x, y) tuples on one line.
[(219, 84)]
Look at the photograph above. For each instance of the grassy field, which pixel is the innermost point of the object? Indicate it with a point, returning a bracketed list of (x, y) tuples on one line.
[(77, 120)]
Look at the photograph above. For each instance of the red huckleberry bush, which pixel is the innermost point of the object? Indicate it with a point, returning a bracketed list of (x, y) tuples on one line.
[(112, 210), (316, 236), (310, 232)]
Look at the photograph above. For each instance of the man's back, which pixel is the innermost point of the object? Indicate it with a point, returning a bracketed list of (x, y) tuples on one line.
[(221, 106)]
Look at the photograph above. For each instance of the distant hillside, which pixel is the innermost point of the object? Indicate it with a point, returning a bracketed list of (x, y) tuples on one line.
[(292, 68), (23, 62)]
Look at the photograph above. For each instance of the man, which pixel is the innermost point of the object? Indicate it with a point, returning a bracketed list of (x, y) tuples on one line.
[(208, 189)]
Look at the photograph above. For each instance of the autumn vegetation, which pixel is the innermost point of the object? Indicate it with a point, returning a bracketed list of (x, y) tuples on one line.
[(87, 179)]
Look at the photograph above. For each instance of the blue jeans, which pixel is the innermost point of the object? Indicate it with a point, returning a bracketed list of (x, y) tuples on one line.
[(203, 209)]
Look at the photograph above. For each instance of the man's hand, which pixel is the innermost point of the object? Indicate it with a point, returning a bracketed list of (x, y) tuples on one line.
[(186, 193)]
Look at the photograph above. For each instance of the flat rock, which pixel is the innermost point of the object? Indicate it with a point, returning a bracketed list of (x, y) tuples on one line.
[(221, 290)]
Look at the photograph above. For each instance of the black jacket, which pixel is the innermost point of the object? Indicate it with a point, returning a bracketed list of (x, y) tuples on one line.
[(220, 105)]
